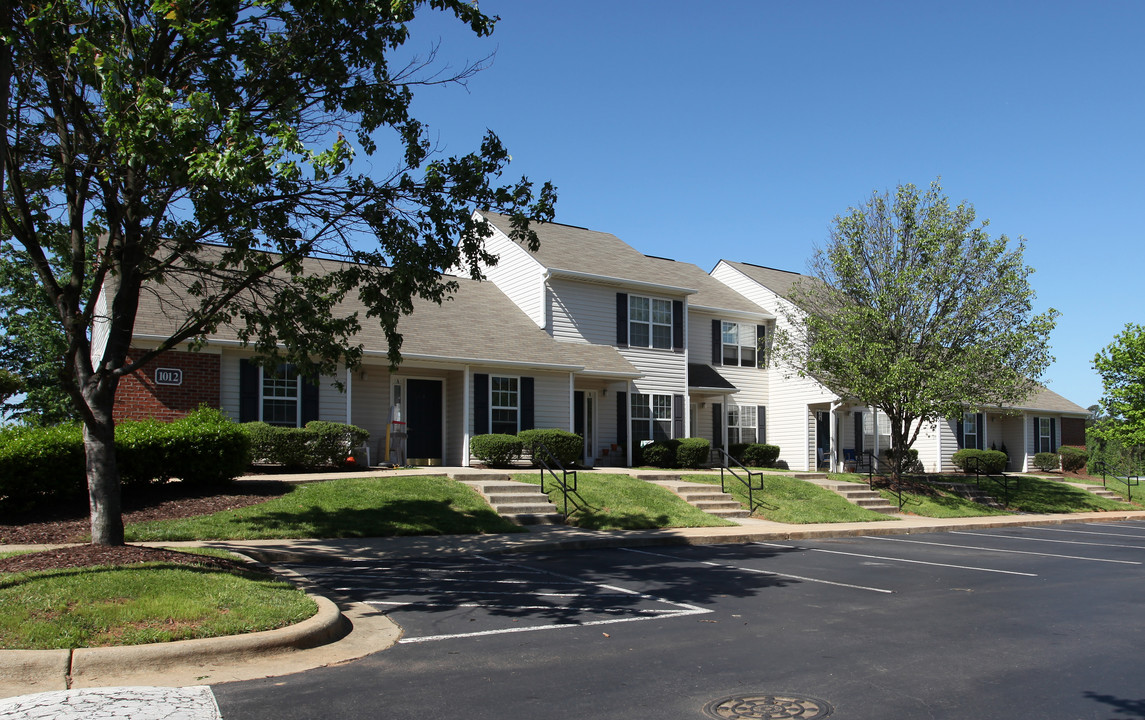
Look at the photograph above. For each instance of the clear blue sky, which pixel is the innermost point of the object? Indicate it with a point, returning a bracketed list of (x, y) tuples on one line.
[(738, 130)]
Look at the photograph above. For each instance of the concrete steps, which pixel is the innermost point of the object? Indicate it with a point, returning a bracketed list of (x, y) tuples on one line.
[(1098, 491), (517, 502), (970, 492), (853, 493), (708, 498)]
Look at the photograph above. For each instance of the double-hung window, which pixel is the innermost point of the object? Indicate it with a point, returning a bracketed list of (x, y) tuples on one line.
[(503, 406), (649, 322), (739, 346), (1045, 435), (970, 431), (742, 424), (651, 417), (281, 395)]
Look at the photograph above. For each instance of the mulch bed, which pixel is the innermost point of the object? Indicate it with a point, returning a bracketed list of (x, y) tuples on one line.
[(158, 503)]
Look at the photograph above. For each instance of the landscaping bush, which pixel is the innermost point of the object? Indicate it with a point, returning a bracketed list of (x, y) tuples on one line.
[(318, 445), (991, 462), (1046, 461), (1073, 458), (760, 455), (329, 444), (277, 445), (693, 452), (495, 450), (41, 467), (661, 454), (565, 446), (203, 448), (736, 450), (911, 464)]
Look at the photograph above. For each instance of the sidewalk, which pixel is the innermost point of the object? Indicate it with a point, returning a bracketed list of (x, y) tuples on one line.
[(343, 632)]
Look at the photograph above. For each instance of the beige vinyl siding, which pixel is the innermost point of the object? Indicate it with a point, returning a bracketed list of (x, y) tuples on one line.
[(370, 408), (664, 371), (331, 400), (551, 401), (229, 383), (927, 446), (752, 382), (949, 439), (582, 312), (518, 275), (454, 395)]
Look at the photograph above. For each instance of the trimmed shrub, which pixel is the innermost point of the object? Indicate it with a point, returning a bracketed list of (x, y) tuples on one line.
[(911, 464), (495, 450), (1046, 461), (40, 467), (736, 450), (661, 454), (277, 445), (693, 452), (565, 446), (318, 445), (328, 444), (991, 462), (760, 455), (1073, 458), (203, 448)]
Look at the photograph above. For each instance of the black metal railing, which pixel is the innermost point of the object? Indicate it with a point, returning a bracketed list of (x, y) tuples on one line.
[(876, 465), (549, 463), (1131, 481), (975, 465), (726, 462)]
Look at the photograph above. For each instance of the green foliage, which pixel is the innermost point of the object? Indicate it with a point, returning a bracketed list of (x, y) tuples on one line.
[(1106, 447), (1073, 459), (1047, 461), (915, 310), (758, 455), (910, 463), (40, 467), (1121, 365), (214, 153), (10, 384), (990, 462), (693, 452), (661, 454), (495, 449), (565, 446), (318, 445)]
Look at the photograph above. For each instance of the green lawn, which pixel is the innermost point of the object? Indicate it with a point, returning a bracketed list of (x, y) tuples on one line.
[(349, 507), (619, 502), (788, 500), (1119, 486), (144, 603)]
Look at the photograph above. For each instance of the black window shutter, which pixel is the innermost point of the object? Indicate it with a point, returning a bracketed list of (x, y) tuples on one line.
[(858, 434), (622, 319), (622, 419), (761, 346), (980, 420), (480, 404), (959, 427), (527, 406), (761, 421), (1037, 437), (1053, 435), (309, 401), (717, 342), (248, 391), (717, 425), (678, 325), (678, 416)]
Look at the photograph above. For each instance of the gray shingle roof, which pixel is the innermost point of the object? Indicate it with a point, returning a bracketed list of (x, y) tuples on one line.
[(1046, 400), (579, 250), (778, 281), (477, 323)]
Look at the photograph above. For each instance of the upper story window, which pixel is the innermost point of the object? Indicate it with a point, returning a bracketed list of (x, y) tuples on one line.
[(504, 406), (739, 344), (649, 322), (281, 395)]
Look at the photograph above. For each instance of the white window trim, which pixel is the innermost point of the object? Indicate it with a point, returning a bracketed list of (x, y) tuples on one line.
[(750, 413), (650, 323), (262, 396), (1045, 432), (740, 345), (652, 412), (516, 408), (970, 417)]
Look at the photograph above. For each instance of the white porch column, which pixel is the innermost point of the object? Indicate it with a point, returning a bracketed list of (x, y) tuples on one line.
[(466, 425)]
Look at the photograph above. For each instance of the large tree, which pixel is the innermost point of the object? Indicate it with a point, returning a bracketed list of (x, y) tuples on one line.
[(215, 145), (1121, 365), (913, 309)]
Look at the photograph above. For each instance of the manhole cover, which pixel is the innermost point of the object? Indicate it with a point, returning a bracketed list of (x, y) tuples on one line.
[(768, 706)]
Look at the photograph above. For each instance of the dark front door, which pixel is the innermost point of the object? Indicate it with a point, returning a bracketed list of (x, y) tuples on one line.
[(423, 419), (822, 438)]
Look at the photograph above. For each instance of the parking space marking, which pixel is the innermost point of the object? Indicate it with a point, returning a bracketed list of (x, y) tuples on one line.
[(1121, 526), (1089, 532), (894, 559), (762, 572), (542, 576), (987, 549), (1048, 540)]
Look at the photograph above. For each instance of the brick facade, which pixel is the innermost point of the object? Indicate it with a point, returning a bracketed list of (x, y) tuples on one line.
[(140, 396), (1073, 431)]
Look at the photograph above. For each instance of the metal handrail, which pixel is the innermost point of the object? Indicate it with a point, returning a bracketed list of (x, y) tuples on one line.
[(726, 461), (562, 481), (1104, 470), (893, 488)]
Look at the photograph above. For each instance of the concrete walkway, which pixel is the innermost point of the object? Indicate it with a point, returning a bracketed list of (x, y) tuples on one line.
[(346, 631)]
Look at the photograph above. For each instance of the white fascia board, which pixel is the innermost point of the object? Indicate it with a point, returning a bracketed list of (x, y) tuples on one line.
[(150, 342), (485, 361), (611, 374), (609, 280), (728, 312)]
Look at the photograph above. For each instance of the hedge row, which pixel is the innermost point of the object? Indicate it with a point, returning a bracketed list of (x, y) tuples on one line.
[(318, 445), (991, 462), (754, 454), (41, 467), (499, 450), (686, 452)]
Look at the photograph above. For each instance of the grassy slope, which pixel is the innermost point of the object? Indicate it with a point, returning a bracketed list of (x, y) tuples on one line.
[(788, 500)]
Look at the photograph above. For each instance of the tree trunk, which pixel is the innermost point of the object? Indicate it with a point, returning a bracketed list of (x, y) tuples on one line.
[(103, 485)]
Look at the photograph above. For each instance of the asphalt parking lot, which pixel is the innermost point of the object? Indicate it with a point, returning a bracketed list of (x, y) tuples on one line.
[(1024, 621)]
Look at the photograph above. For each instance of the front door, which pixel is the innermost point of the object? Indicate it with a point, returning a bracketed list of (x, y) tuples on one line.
[(822, 438), (423, 419)]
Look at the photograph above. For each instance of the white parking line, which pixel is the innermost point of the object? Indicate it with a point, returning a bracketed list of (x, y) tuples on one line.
[(762, 572), (917, 562), (489, 606), (987, 549), (1049, 540), (1088, 532), (535, 628)]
